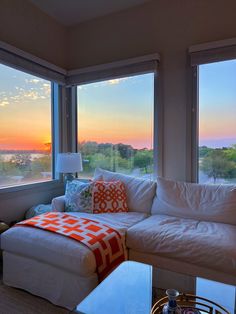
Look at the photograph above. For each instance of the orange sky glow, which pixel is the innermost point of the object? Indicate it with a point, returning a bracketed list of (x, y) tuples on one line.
[(25, 111)]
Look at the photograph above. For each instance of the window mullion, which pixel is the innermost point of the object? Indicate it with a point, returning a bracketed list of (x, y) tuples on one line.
[(195, 123)]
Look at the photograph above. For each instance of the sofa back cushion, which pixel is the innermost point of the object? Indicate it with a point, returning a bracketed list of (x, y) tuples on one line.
[(215, 203), (140, 192)]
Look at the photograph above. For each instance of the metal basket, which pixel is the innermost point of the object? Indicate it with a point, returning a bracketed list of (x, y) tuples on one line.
[(191, 301)]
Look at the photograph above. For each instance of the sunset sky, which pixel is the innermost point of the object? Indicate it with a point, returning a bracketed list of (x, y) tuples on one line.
[(114, 111), (217, 104), (25, 110), (117, 111)]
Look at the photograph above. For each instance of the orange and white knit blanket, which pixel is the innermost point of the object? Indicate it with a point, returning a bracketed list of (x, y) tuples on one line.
[(106, 243)]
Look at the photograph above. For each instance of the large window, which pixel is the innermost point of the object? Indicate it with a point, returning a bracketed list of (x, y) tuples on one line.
[(25, 128), (115, 125), (217, 122)]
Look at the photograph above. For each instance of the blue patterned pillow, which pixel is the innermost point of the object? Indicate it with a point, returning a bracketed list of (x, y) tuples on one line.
[(38, 210), (78, 196)]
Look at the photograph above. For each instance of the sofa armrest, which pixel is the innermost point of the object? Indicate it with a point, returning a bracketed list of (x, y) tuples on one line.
[(58, 204)]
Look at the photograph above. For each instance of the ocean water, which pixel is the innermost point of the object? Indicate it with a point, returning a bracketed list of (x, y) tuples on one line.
[(7, 157)]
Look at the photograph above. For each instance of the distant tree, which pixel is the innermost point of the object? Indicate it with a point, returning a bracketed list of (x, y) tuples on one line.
[(88, 148), (9, 169), (48, 147), (203, 151), (105, 149), (119, 163), (100, 160), (21, 161), (231, 153), (217, 165), (41, 164), (1, 164), (126, 151), (143, 159)]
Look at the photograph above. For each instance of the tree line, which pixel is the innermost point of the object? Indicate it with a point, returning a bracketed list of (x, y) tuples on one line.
[(21, 164), (115, 157), (214, 162), (218, 162)]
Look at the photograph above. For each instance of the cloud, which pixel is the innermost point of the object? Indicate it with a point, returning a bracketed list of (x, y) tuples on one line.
[(3, 99), (47, 89), (33, 81), (104, 83), (116, 81), (32, 95), (4, 103), (39, 89)]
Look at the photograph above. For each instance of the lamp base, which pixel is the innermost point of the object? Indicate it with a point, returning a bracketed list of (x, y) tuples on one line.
[(68, 177)]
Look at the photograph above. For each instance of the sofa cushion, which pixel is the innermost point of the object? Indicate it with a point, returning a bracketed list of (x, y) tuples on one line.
[(198, 201), (61, 251), (205, 244), (109, 197), (140, 192)]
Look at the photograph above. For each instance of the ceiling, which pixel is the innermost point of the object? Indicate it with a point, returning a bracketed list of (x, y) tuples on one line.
[(71, 12)]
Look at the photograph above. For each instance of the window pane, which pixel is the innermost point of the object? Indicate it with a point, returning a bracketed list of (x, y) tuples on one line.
[(217, 127), (25, 128), (115, 125)]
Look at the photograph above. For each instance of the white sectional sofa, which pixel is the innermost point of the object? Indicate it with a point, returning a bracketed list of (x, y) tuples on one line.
[(183, 227)]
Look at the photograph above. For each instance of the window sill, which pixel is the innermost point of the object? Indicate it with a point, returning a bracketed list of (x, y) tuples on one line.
[(31, 186)]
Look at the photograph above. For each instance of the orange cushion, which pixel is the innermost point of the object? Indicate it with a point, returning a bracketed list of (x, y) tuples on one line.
[(109, 197)]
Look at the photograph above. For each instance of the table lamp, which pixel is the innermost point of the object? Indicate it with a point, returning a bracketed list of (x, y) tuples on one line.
[(68, 164)]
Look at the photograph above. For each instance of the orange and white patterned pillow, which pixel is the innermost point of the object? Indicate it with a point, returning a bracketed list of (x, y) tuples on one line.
[(109, 197)]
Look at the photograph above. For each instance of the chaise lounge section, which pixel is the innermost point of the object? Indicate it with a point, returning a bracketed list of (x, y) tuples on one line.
[(52, 266)]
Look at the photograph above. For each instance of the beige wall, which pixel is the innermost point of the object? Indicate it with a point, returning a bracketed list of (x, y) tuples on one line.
[(168, 27), (22, 25)]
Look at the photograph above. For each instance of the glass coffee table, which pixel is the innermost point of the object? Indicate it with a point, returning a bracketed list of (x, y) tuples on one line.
[(133, 288)]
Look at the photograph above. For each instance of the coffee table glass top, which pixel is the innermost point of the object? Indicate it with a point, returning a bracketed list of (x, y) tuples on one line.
[(133, 287)]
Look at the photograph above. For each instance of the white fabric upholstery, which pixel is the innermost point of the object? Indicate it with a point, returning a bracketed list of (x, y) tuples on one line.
[(59, 286), (190, 200), (206, 244), (180, 267), (140, 192), (58, 203), (61, 251)]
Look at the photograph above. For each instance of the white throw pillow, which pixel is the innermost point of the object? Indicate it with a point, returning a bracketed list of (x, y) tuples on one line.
[(197, 201), (140, 192)]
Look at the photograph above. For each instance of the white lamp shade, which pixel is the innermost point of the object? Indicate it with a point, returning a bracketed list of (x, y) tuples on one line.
[(69, 163)]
